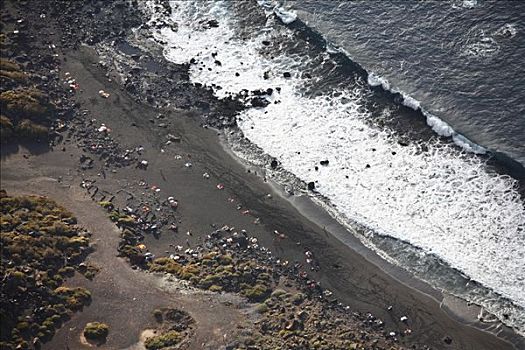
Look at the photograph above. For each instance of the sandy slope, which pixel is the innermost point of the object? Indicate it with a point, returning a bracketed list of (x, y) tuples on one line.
[(125, 298)]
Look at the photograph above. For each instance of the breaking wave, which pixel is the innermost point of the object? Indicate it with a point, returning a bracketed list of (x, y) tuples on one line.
[(439, 199)]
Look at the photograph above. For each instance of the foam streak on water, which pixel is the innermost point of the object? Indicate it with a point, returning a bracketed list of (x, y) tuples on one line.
[(443, 201)]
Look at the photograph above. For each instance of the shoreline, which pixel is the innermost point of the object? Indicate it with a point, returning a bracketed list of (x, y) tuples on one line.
[(346, 270), (315, 211), (445, 261), (225, 164)]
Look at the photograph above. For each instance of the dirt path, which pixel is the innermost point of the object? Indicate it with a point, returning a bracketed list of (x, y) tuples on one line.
[(122, 297)]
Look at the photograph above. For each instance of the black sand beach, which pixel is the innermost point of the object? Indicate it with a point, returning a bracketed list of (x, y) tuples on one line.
[(228, 194)]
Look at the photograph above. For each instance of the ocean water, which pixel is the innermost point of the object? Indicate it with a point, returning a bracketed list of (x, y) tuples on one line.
[(433, 205), (462, 60)]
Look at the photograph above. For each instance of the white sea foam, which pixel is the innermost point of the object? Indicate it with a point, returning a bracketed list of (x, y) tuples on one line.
[(439, 126), (507, 31), (443, 201), (376, 80), (470, 3), (411, 102), (468, 145), (286, 16)]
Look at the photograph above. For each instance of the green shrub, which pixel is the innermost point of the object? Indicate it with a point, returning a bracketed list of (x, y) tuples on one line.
[(30, 130), (225, 259), (8, 65), (262, 308), (298, 298), (74, 298), (258, 292), (278, 292), (170, 338), (22, 326), (11, 70), (43, 257), (96, 331), (6, 129), (106, 205), (26, 103), (126, 220), (215, 288), (165, 265), (67, 271), (89, 271), (13, 75)]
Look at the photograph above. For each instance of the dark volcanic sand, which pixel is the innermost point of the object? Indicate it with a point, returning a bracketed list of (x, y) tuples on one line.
[(353, 279)]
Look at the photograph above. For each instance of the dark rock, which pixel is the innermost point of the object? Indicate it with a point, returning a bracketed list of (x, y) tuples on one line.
[(324, 162), (265, 42), (22, 58), (213, 23), (259, 102), (274, 164), (174, 138), (447, 340), (287, 75), (311, 186), (131, 88)]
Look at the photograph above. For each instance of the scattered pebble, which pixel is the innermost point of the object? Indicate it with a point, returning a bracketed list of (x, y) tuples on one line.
[(104, 94)]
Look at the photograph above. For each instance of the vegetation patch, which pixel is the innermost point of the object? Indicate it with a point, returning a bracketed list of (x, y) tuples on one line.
[(26, 103), (292, 311), (96, 331), (174, 326), (6, 128), (165, 340), (26, 129), (88, 270), (27, 112), (10, 70), (129, 246), (41, 246), (219, 271)]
